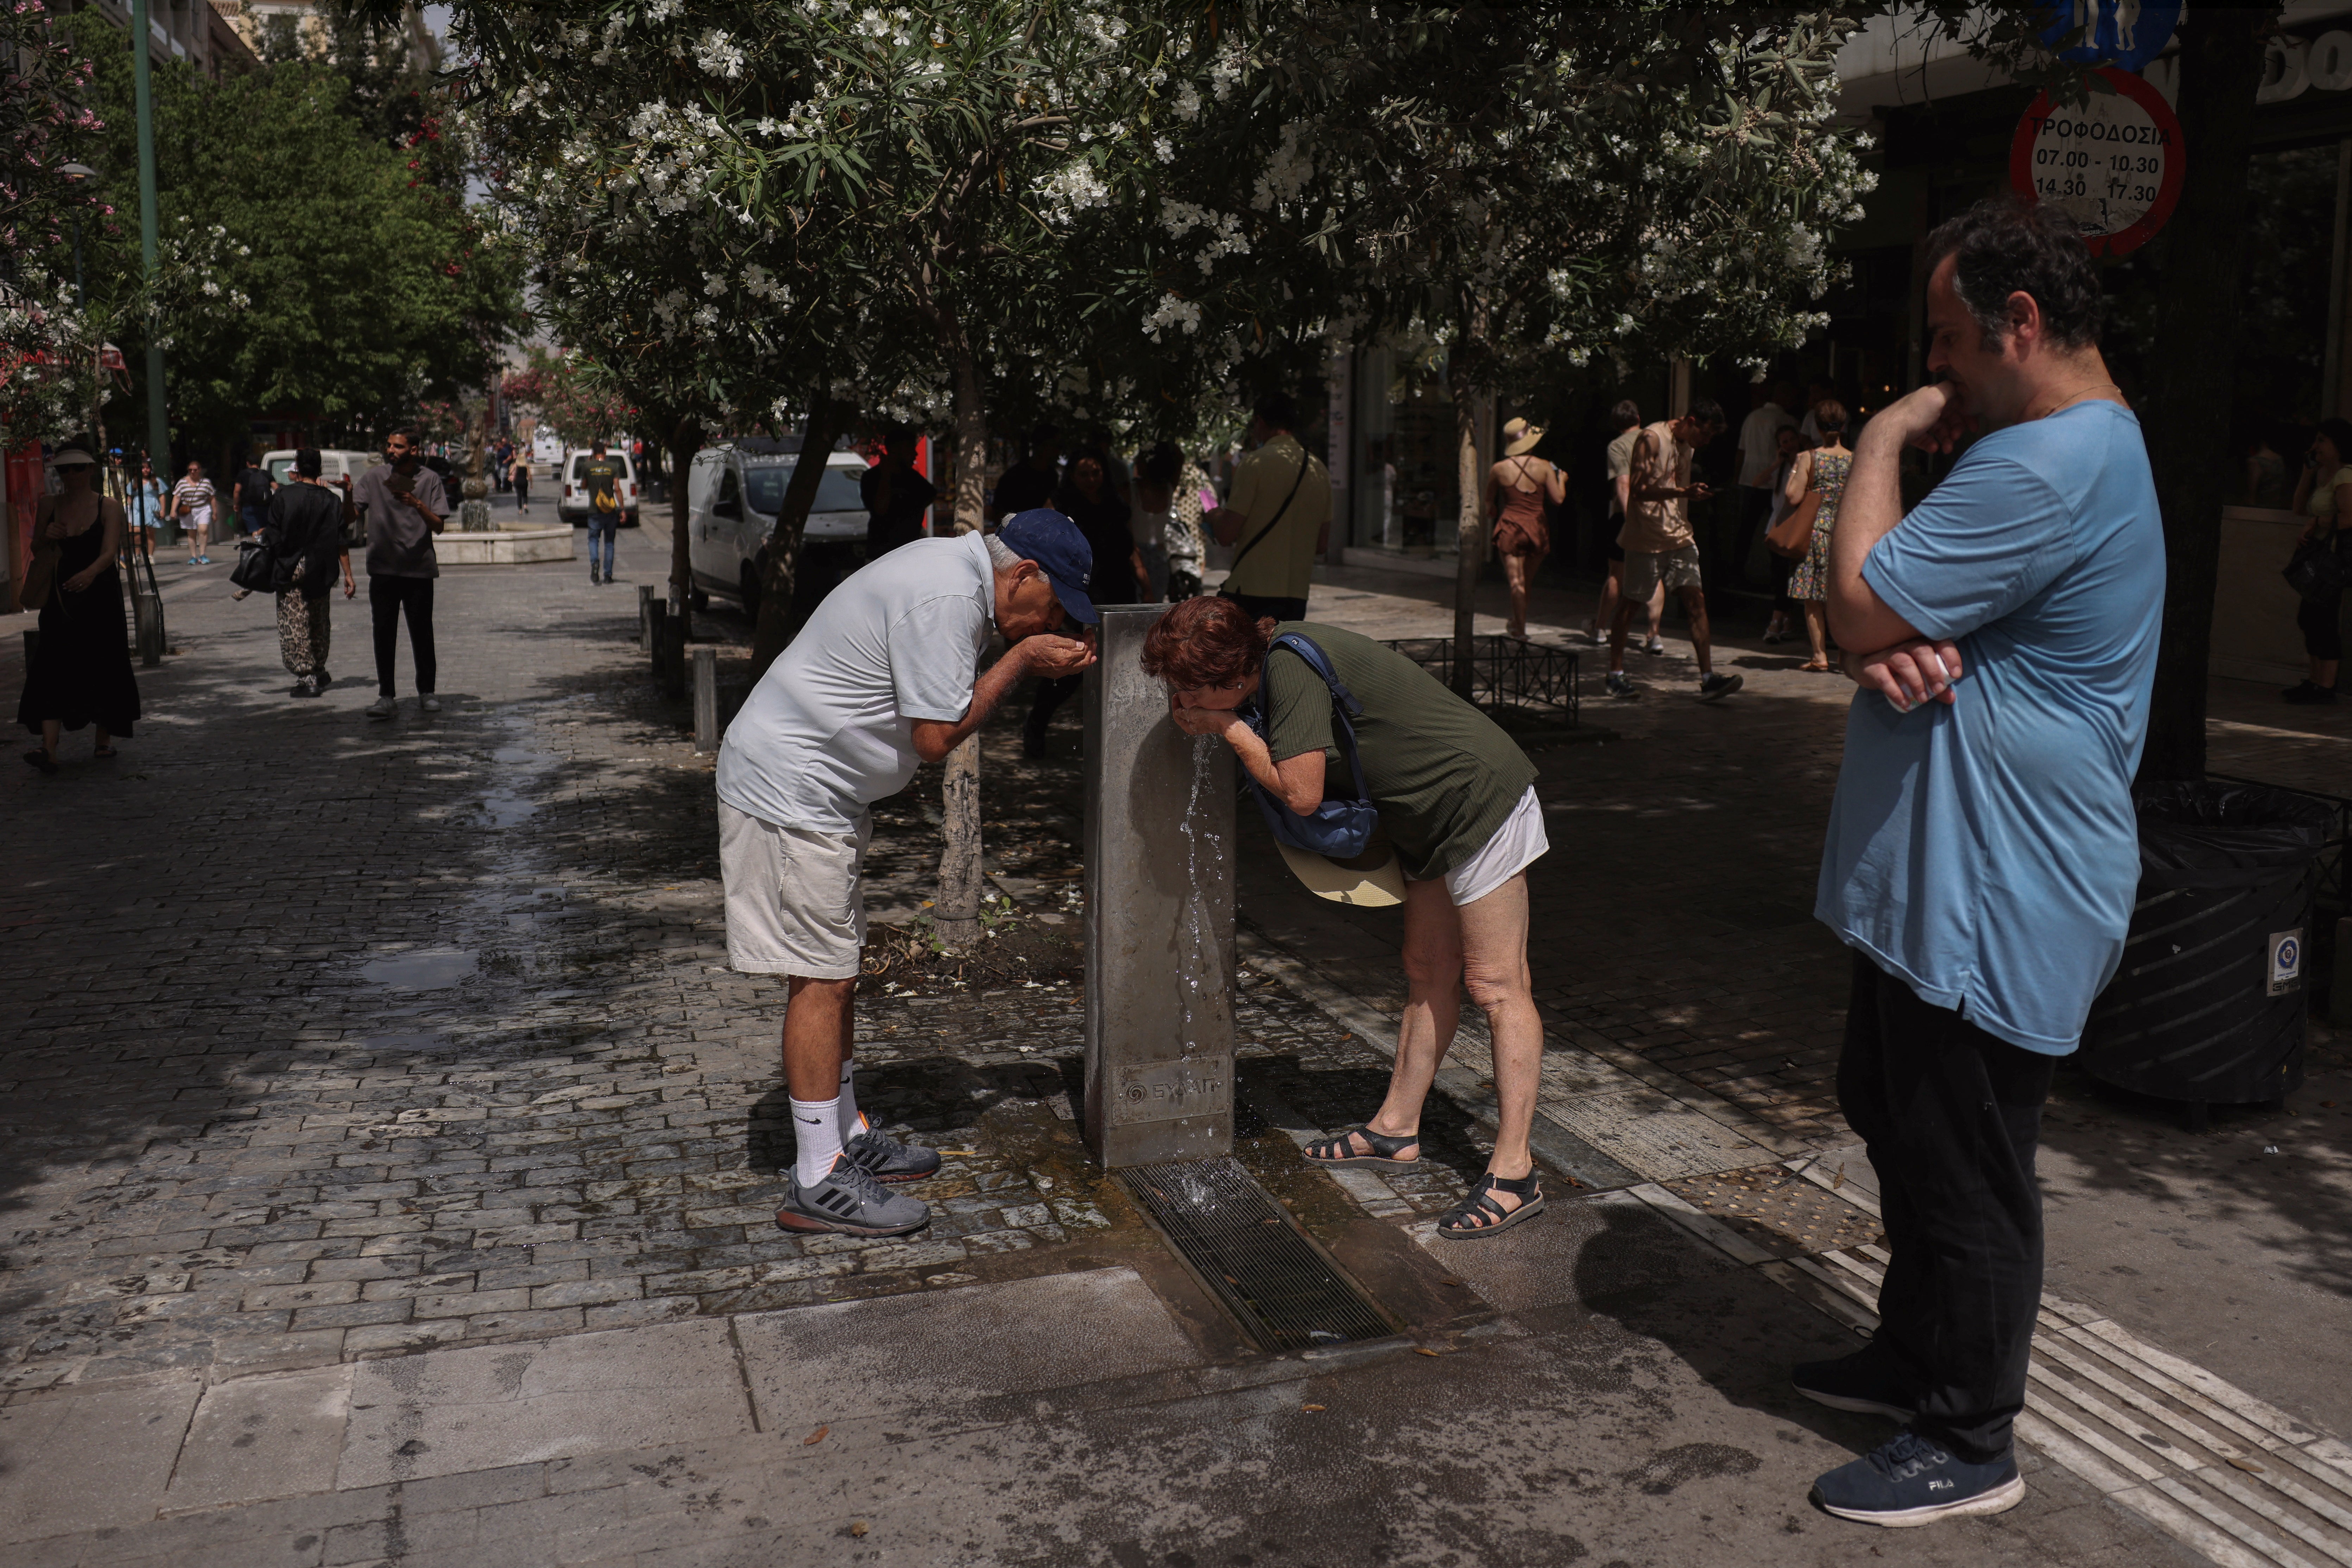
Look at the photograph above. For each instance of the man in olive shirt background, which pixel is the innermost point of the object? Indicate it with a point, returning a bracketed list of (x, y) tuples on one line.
[(406, 507), (601, 477), (1277, 516)]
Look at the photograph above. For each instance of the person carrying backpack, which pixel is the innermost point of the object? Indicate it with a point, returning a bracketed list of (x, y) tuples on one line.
[(1382, 787)]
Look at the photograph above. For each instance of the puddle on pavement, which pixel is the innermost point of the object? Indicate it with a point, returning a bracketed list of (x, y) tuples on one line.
[(421, 971), (506, 804)]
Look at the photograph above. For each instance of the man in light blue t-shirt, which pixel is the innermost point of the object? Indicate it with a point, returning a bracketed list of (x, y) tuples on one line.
[(884, 677), (1983, 853)]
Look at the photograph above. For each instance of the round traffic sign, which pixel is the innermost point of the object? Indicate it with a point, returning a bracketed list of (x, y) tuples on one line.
[(2114, 163)]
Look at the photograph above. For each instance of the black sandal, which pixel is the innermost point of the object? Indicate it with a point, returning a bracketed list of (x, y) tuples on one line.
[(1479, 1215), (1339, 1149), (40, 760)]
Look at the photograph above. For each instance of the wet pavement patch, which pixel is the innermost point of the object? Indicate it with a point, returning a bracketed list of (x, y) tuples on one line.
[(420, 971)]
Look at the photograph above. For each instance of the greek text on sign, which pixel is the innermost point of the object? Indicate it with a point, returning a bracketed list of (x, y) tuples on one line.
[(1165, 1091), (2115, 163)]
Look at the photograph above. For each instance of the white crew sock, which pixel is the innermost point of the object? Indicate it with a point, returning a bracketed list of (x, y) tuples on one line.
[(816, 1127), (851, 1124)]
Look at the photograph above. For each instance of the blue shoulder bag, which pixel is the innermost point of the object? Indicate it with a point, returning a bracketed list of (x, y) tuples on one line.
[(1336, 830)]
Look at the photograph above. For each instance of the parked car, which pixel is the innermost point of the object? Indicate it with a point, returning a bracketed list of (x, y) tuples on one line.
[(734, 493), (571, 501)]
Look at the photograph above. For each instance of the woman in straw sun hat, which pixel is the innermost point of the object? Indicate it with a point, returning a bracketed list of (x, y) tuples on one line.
[(1517, 485), (1455, 803)]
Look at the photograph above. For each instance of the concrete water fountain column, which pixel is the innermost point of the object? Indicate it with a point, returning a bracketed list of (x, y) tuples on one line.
[(1159, 917)]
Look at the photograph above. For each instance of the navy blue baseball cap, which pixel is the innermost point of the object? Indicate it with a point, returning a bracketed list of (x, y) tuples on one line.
[(1061, 551)]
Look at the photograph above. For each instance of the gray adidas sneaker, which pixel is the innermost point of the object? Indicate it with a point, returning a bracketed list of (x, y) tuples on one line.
[(890, 1160), (850, 1202)]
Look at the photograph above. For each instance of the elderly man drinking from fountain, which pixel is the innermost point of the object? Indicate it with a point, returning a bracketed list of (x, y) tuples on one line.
[(884, 677)]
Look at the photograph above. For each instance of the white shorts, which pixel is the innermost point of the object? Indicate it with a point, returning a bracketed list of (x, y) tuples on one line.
[(1646, 570), (1517, 844), (794, 902)]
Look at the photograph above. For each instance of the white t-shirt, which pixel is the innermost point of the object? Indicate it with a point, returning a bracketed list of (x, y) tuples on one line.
[(828, 729), (1759, 450)]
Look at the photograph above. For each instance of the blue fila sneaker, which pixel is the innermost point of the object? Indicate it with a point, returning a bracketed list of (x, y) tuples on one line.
[(1909, 1480)]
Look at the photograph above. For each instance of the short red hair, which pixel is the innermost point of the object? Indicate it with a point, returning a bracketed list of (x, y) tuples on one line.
[(1205, 641)]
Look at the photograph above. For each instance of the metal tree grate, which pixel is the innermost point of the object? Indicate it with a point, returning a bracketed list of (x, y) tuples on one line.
[(1268, 1273), (1502, 669)]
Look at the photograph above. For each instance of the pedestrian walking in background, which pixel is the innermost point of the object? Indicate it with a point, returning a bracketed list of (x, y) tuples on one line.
[(520, 476), (1517, 485), (1982, 857), (502, 462), (1809, 429), (1660, 550), (1457, 799), (1786, 611), (406, 507), (600, 475), (1277, 516), (146, 507), (1088, 500), (1029, 483), (306, 522), (884, 677), (1625, 418), (2323, 492), (249, 495), (896, 496), (79, 674), (1817, 482), (1760, 453), (192, 503)]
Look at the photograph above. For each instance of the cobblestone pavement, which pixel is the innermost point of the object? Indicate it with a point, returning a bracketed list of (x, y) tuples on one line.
[(341, 1041)]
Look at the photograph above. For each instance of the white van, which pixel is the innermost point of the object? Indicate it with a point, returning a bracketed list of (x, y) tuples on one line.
[(734, 493), (571, 502), (332, 465), (546, 450)]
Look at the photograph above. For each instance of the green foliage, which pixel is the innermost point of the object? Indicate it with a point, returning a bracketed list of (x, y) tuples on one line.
[(566, 397), (368, 288)]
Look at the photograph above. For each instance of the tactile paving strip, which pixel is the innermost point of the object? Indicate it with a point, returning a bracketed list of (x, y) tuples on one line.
[(1784, 1214)]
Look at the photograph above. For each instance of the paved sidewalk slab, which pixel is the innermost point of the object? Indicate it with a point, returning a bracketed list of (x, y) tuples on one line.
[(90, 1458), (257, 1438), (443, 1411), (930, 1352)]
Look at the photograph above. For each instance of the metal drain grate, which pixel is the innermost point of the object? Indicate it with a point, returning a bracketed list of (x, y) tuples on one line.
[(1253, 1257)]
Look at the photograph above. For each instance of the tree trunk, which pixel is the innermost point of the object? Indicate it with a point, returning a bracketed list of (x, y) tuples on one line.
[(782, 569), (688, 439), (955, 908), (1470, 476), (970, 447), (2197, 335)]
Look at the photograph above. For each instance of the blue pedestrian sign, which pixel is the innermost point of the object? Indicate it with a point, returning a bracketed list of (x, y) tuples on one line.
[(2286, 961), (2126, 33)]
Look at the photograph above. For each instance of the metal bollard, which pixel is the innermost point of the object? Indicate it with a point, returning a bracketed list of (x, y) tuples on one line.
[(674, 631), (657, 633), (705, 698), (645, 617), (147, 618)]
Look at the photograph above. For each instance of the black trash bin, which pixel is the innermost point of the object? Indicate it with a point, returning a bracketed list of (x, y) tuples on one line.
[(2208, 1005)]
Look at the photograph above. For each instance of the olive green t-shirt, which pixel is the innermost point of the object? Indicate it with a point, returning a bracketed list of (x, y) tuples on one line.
[(1445, 776)]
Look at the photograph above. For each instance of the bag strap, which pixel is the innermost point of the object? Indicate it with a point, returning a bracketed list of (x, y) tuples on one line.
[(1305, 457), (1344, 706)]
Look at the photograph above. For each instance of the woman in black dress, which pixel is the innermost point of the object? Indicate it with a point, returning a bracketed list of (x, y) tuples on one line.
[(81, 673)]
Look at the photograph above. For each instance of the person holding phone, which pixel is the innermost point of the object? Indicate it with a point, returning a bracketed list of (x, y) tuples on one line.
[(406, 506), (1660, 548)]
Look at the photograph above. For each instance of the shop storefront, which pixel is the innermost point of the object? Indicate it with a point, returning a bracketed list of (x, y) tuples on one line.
[(1946, 129)]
